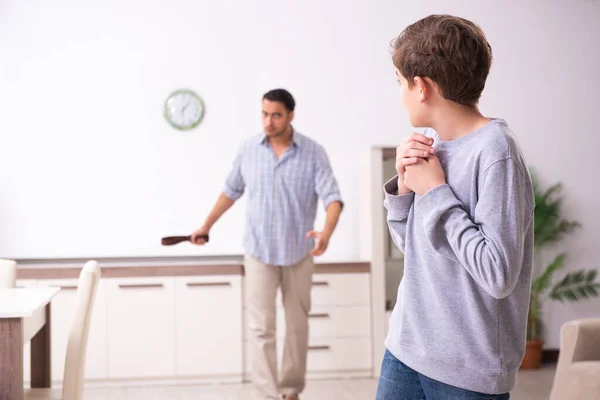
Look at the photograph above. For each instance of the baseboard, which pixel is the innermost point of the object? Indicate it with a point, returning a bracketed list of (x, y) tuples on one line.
[(328, 375), (154, 381), (549, 356)]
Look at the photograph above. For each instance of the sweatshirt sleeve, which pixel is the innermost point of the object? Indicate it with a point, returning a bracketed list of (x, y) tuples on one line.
[(398, 207), (489, 246)]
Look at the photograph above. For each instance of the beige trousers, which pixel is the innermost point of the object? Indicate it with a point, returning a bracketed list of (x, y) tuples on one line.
[(262, 281)]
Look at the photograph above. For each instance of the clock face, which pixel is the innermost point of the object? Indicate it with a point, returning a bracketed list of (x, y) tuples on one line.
[(184, 109)]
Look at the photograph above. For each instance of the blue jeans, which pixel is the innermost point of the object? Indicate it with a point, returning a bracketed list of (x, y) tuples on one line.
[(397, 381)]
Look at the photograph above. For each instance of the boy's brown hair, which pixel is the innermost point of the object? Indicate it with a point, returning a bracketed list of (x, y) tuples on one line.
[(451, 51)]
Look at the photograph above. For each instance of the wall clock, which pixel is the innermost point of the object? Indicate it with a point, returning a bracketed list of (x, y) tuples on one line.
[(184, 109)]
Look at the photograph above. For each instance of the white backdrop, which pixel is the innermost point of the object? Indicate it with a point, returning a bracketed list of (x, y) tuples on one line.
[(90, 168)]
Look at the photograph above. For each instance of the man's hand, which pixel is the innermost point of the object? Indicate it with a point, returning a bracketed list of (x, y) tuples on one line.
[(196, 239), (321, 242), (424, 175), (415, 147)]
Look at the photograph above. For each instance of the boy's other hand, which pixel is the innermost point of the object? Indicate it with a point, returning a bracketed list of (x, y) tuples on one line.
[(415, 147), (424, 175)]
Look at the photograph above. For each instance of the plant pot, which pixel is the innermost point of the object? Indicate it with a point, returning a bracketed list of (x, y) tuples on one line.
[(533, 354)]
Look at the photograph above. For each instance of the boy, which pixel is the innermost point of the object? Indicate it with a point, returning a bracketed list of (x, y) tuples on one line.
[(461, 211)]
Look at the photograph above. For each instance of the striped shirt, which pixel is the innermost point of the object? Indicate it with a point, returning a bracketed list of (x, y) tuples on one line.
[(282, 196)]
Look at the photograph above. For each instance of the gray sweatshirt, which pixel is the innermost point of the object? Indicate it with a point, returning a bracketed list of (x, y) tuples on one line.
[(461, 312)]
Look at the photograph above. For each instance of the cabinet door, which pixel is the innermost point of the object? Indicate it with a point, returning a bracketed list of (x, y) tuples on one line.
[(62, 312), (141, 327), (208, 320), (341, 289), (332, 322), (338, 289), (337, 355)]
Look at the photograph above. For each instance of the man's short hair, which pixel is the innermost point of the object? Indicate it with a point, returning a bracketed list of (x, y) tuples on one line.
[(282, 96)]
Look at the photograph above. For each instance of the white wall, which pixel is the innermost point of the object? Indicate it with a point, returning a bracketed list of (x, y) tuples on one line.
[(90, 168)]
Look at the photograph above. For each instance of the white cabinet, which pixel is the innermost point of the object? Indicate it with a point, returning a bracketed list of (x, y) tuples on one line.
[(339, 327), (208, 320), (154, 327), (62, 311), (141, 327), (340, 324), (193, 328)]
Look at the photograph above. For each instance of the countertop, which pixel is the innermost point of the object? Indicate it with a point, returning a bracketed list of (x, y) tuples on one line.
[(122, 267)]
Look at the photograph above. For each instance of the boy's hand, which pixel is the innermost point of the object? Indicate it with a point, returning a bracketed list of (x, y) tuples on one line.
[(424, 175), (416, 146)]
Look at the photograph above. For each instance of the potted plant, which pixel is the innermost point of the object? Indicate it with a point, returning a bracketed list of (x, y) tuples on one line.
[(550, 228)]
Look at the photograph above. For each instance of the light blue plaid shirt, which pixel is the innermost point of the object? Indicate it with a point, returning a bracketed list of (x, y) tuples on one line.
[(282, 196)]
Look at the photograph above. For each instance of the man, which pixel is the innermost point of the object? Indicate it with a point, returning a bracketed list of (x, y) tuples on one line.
[(284, 174)]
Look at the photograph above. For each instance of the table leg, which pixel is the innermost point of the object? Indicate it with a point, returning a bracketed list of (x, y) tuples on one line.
[(40, 356), (11, 359)]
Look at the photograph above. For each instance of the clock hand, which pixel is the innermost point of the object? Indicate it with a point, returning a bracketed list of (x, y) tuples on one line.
[(185, 106)]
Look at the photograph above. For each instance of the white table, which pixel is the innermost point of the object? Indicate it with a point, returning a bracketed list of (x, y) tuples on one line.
[(24, 317)]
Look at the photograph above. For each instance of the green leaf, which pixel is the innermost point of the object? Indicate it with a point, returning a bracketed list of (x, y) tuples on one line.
[(581, 292), (591, 275), (554, 189), (576, 286), (594, 290), (541, 283), (549, 227)]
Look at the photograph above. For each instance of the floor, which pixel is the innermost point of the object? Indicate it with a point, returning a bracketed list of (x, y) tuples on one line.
[(531, 385)]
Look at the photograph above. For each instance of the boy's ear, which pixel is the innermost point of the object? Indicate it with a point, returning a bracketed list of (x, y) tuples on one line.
[(424, 88)]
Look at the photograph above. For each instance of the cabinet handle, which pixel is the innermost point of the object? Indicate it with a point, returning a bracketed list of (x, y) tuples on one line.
[(319, 347), (69, 287), (321, 283), (323, 315), (141, 286), (198, 284)]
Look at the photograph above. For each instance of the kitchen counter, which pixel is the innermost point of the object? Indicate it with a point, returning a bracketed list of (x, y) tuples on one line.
[(160, 266)]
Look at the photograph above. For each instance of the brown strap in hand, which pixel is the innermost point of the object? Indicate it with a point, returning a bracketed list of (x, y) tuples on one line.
[(172, 240)]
